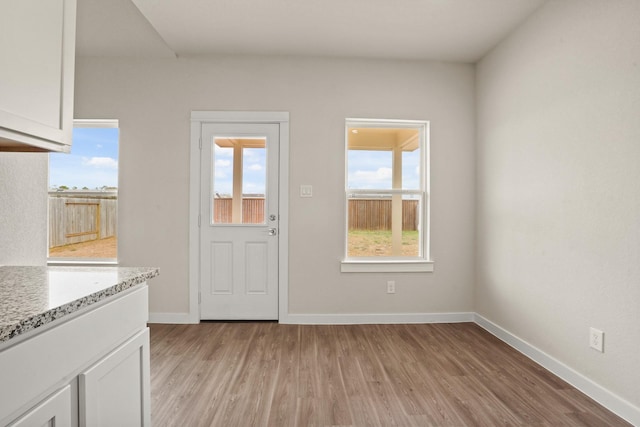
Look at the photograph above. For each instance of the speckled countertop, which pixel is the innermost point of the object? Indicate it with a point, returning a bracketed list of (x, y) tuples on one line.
[(31, 297)]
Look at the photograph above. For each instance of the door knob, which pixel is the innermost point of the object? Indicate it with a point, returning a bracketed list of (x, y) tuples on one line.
[(272, 232)]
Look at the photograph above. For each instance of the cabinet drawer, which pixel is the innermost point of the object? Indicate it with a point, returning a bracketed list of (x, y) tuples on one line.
[(54, 411)]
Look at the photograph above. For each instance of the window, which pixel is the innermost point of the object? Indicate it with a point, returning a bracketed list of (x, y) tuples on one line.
[(239, 181), (83, 196), (386, 190)]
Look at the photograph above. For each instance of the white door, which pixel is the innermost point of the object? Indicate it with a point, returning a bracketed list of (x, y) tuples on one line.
[(239, 221)]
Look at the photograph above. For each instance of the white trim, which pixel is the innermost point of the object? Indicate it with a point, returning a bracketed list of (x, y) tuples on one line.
[(390, 123), (96, 123), (378, 318), (595, 391), (385, 266), (171, 318), (283, 242), (197, 119), (80, 262)]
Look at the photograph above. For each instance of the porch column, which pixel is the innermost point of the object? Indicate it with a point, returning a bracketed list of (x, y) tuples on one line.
[(236, 203), (396, 203)]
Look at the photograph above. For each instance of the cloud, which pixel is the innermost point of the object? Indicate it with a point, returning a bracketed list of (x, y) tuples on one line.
[(222, 163), (253, 187), (223, 151), (255, 167), (254, 152), (381, 174), (379, 178), (101, 162)]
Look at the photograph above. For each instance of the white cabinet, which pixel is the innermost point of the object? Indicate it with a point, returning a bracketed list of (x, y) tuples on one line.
[(37, 47), (114, 392), (55, 411), (92, 366)]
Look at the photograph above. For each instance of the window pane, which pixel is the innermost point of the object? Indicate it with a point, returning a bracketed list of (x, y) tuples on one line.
[(222, 183), (371, 228), (369, 169), (239, 180), (411, 170), (83, 196), (254, 179)]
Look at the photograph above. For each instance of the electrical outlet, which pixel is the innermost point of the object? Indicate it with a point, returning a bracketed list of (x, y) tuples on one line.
[(596, 339), (391, 287)]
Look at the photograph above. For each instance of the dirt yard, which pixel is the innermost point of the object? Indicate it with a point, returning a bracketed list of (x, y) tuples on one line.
[(103, 248), (378, 243)]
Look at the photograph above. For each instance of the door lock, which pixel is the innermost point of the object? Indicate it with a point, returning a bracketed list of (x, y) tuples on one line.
[(272, 217)]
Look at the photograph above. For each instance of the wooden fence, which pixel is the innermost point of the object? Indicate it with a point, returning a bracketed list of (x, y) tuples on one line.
[(364, 214), (76, 217), (375, 214), (252, 210)]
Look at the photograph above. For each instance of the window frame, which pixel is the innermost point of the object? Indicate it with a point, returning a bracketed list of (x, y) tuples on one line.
[(69, 261), (422, 262)]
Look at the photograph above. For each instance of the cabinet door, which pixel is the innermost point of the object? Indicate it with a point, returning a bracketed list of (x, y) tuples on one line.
[(37, 44), (55, 411), (116, 390)]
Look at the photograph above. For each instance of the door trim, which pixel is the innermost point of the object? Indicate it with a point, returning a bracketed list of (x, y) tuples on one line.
[(198, 118)]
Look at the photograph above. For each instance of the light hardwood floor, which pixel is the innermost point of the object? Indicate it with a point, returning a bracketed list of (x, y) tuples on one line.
[(267, 374)]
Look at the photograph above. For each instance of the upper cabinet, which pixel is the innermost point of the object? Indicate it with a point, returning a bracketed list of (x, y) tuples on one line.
[(37, 48)]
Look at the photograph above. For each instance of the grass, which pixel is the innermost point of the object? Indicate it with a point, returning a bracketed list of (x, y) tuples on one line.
[(364, 243)]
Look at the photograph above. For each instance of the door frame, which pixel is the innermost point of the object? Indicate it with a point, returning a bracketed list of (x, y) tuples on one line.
[(198, 118)]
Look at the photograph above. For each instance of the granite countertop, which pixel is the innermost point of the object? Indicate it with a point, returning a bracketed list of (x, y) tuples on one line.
[(31, 297)]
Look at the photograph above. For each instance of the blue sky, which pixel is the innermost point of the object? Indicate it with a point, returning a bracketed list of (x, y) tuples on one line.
[(254, 170), (366, 170), (92, 163), (373, 170)]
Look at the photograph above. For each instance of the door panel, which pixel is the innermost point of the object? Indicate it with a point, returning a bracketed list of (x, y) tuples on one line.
[(256, 254), (238, 236), (221, 267)]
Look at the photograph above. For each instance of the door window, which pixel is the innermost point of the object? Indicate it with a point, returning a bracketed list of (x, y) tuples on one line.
[(239, 180)]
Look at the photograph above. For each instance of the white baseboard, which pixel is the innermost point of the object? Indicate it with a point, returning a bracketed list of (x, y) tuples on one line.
[(614, 403), (178, 318), (378, 318)]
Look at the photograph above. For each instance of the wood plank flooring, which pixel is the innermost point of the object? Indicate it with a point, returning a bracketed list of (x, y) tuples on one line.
[(267, 374)]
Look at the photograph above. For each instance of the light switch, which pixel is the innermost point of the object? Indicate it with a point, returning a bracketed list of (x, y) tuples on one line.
[(306, 191)]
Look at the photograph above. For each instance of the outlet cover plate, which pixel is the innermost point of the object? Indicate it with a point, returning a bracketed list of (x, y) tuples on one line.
[(596, 339), (391, 287), (306, 190)]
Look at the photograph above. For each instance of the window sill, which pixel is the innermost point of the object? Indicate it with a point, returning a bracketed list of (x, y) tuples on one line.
[(81, 263), (391, 266)]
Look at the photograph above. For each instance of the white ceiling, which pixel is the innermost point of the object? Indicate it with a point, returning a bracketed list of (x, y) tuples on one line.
[(444, 30)]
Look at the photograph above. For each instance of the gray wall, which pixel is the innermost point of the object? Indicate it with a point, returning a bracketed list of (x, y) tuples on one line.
[(23, 208), (558, 191), (153, 100)]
